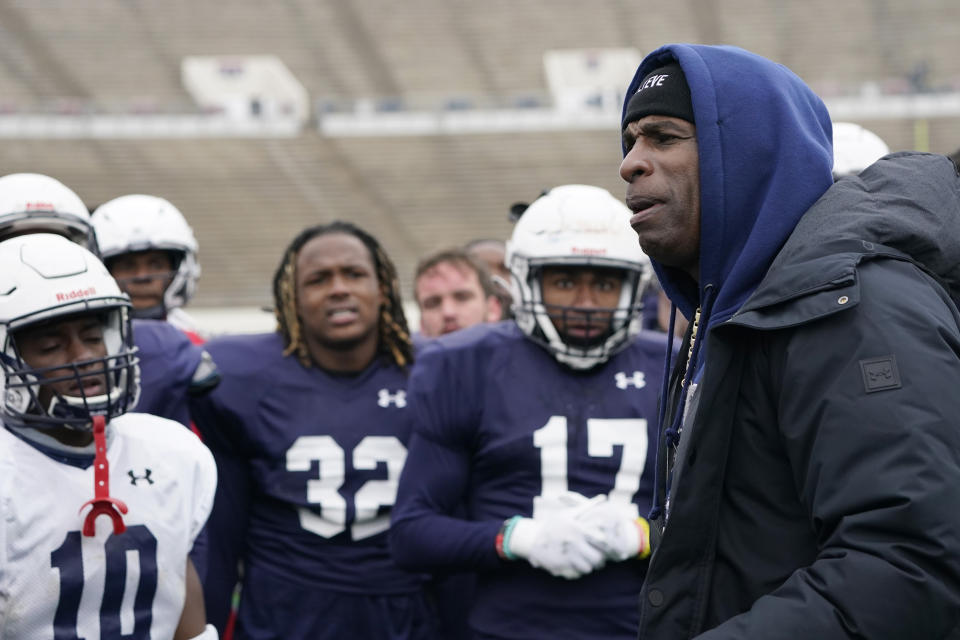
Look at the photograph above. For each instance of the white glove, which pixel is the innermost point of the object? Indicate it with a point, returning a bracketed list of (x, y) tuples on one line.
[(559, 544), (210, 633), (624, 536)]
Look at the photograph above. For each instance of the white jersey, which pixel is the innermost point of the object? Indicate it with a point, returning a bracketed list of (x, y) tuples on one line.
[(56, 583)]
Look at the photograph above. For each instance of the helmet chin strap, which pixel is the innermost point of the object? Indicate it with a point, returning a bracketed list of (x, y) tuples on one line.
[(102, 503)]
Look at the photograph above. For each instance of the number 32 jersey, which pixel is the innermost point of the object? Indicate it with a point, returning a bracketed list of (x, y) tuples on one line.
[(309, 465), (57, 584)]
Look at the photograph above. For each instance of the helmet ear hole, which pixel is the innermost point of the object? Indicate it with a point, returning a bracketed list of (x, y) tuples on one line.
[(576, 226)]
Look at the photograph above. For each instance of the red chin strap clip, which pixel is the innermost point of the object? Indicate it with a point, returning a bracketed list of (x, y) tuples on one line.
[(102, 503)]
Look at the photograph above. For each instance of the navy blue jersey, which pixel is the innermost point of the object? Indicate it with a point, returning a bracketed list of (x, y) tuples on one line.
[(501, 427), (310, 465), (171, 367)]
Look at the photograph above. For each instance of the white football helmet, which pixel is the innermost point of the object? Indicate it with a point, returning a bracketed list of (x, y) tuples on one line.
[(855, 148), (45, 278), (585, 226), (141, 223), (32, 203)]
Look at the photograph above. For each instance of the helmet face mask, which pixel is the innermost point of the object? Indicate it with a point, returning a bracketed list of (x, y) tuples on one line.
[(68, 393), (60, 296), (585, 327), (577, 229), (154, 288), (136, 223)]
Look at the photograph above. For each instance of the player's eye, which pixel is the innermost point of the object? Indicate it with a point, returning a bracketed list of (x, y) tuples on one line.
[(608, 284), (49, 346), (93, 338)]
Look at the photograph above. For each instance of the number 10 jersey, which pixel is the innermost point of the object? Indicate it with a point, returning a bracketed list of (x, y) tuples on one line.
[(57, 584)]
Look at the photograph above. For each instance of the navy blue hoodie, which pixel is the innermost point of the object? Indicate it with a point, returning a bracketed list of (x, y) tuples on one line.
[(766, 155)]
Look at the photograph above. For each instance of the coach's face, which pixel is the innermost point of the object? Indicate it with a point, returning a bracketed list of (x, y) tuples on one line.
[(338, 294), (662, 172)]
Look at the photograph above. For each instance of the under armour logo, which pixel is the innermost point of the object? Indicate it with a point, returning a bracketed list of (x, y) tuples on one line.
[(880, 374), (134, 477), (384, 398), (638, 379)]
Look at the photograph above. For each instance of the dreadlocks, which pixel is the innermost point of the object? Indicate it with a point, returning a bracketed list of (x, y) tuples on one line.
[(394, 335)]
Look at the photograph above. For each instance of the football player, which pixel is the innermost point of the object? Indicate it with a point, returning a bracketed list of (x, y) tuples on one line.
[(543, 430), (98, 507), (171, 366), (151, 251), (309, 428)]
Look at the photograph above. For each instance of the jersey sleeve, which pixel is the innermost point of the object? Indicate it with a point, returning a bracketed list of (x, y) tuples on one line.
[(171, 369), (428, 532), (217, 553), (204, 489)]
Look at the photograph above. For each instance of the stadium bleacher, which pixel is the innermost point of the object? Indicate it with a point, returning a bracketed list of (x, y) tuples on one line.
[(247, 197)]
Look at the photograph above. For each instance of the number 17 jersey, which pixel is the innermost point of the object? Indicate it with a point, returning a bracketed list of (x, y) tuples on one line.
[(501, 430)]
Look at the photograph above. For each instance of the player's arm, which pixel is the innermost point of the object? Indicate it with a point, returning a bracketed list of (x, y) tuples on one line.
[(425, 532), (192, 364), (426, 535), (428, 531), (193, 621), (205, 376), (220, 546)]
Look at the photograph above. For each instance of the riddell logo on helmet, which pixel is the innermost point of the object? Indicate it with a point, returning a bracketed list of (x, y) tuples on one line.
[(66, 296), (588, 251), (40, 206)]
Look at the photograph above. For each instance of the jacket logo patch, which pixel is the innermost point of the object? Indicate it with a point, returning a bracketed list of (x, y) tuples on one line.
[(880, 374)]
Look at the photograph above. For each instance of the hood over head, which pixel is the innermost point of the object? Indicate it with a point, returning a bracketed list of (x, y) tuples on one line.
[(765, 155)]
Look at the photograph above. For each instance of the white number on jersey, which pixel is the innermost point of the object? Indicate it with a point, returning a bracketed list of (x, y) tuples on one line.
[(602, 436), (130, 560), (324, 490)]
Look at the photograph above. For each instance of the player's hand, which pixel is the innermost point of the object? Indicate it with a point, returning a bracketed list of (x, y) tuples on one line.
[(624, 536), (561, 545)]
